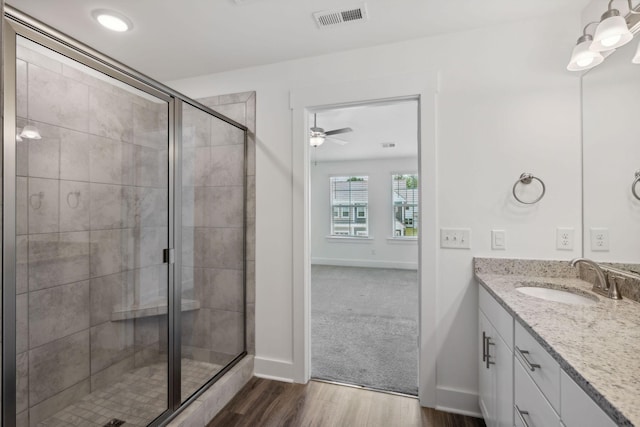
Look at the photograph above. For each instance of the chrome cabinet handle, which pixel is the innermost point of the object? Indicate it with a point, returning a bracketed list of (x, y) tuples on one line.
[(521, 415), (484, 346), (489, 362), (532, 366)]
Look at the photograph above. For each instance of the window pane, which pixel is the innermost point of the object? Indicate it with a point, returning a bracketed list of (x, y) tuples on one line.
[(349, 198), (405, 205)]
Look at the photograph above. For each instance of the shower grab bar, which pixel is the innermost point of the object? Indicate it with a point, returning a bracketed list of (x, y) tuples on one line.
[(526, 179)]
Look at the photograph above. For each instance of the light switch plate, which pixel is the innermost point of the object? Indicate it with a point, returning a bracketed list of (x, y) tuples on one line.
[(599, 239), (455, 238), (498, 240)]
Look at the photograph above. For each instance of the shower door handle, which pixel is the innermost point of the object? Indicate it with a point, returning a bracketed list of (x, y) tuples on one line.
[(169, 256)]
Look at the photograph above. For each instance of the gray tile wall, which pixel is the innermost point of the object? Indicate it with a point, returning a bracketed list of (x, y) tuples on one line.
[(92, 202), (240, 107)]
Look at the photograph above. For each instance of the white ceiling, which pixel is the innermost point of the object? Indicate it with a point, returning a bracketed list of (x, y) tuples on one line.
[(184, 38), (372, 125)]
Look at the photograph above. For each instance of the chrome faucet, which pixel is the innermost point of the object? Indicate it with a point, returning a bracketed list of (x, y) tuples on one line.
[(602, 285)]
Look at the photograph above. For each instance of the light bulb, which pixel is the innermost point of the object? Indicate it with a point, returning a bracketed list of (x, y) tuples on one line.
[(583, 62), (610, 41)]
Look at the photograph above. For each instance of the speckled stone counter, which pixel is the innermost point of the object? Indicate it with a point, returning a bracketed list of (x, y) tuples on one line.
[(597, 345)]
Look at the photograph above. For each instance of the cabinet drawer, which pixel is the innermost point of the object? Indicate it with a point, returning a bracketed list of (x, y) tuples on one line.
[(539, 365), (533, 407), (578, 409), (498, 316)]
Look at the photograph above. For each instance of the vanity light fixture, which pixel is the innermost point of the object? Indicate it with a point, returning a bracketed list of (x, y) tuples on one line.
[(582, 57), (613, 31), (111, 20)]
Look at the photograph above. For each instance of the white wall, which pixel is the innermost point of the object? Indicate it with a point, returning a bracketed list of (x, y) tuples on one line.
[(506, 106), (377, 251)]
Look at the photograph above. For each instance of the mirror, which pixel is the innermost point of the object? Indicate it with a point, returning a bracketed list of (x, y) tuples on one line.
[(611, 159)]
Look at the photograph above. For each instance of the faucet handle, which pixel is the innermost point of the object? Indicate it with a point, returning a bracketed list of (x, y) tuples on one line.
[(613, 280)]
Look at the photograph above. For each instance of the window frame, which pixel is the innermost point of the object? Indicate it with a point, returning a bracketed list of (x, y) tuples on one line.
[(348, 224)]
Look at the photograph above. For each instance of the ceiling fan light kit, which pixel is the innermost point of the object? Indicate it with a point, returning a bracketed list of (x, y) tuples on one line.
[(317, 134), (316, 141)]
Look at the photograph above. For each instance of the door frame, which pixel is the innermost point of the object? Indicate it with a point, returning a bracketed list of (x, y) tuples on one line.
[(424, 88)]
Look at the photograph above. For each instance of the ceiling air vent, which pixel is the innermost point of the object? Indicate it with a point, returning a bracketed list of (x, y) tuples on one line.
[(332, 18)]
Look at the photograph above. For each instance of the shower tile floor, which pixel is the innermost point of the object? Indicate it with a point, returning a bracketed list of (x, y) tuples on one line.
[(137, 399)]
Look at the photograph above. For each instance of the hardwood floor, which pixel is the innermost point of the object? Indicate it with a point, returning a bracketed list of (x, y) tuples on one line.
[(266, 403)]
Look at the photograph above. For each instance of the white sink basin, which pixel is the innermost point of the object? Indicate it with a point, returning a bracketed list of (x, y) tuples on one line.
[(557, 295)]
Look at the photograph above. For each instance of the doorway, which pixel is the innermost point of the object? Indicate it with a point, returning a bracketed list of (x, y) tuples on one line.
[(364, 249)]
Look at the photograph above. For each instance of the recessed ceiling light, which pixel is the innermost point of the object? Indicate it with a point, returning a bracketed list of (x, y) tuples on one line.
[(111, 20)]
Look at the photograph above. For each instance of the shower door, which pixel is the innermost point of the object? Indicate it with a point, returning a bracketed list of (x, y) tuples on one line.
[(211, 255), (123, 293), (91, 198)]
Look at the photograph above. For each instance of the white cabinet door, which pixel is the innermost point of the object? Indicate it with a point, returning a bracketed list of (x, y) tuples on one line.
[(503, 374), (578, 409), (486, 378)]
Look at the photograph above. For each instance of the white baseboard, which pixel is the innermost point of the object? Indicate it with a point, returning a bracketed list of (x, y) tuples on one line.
[(273, 369), (402, 265), (458, 402)]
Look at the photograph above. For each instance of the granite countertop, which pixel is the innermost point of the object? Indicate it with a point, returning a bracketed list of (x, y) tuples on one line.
[(597, 345)]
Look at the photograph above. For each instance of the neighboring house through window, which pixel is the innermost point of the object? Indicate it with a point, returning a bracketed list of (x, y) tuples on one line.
[(405, 192), (349, 204)]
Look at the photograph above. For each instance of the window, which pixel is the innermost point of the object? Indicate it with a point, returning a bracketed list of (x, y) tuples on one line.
[(349, 198), (406, 215)]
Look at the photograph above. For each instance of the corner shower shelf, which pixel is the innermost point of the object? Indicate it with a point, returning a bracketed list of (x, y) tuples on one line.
[(155, 308)]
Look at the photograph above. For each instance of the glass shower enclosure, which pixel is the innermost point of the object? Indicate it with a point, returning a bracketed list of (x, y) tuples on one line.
[(123, 239)]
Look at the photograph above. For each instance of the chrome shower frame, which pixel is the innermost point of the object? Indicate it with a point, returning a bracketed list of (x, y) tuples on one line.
[(15, 24)]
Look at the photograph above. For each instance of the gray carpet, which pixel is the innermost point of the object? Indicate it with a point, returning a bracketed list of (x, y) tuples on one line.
[(364, 327)]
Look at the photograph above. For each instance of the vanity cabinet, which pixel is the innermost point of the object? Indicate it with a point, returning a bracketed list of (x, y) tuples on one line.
[(495, 362), (531, 408), (520, 383), (543, 370)]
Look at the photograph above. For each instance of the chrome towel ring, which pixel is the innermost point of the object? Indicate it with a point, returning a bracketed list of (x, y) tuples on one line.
[(635, 184), (526, 179)]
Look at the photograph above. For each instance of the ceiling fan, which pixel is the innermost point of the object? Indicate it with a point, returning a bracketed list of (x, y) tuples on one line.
[(318, 135)]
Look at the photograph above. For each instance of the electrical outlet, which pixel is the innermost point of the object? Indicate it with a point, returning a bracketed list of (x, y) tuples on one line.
[(599, 239), (455, 238), (564, 239), (498, 240)]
